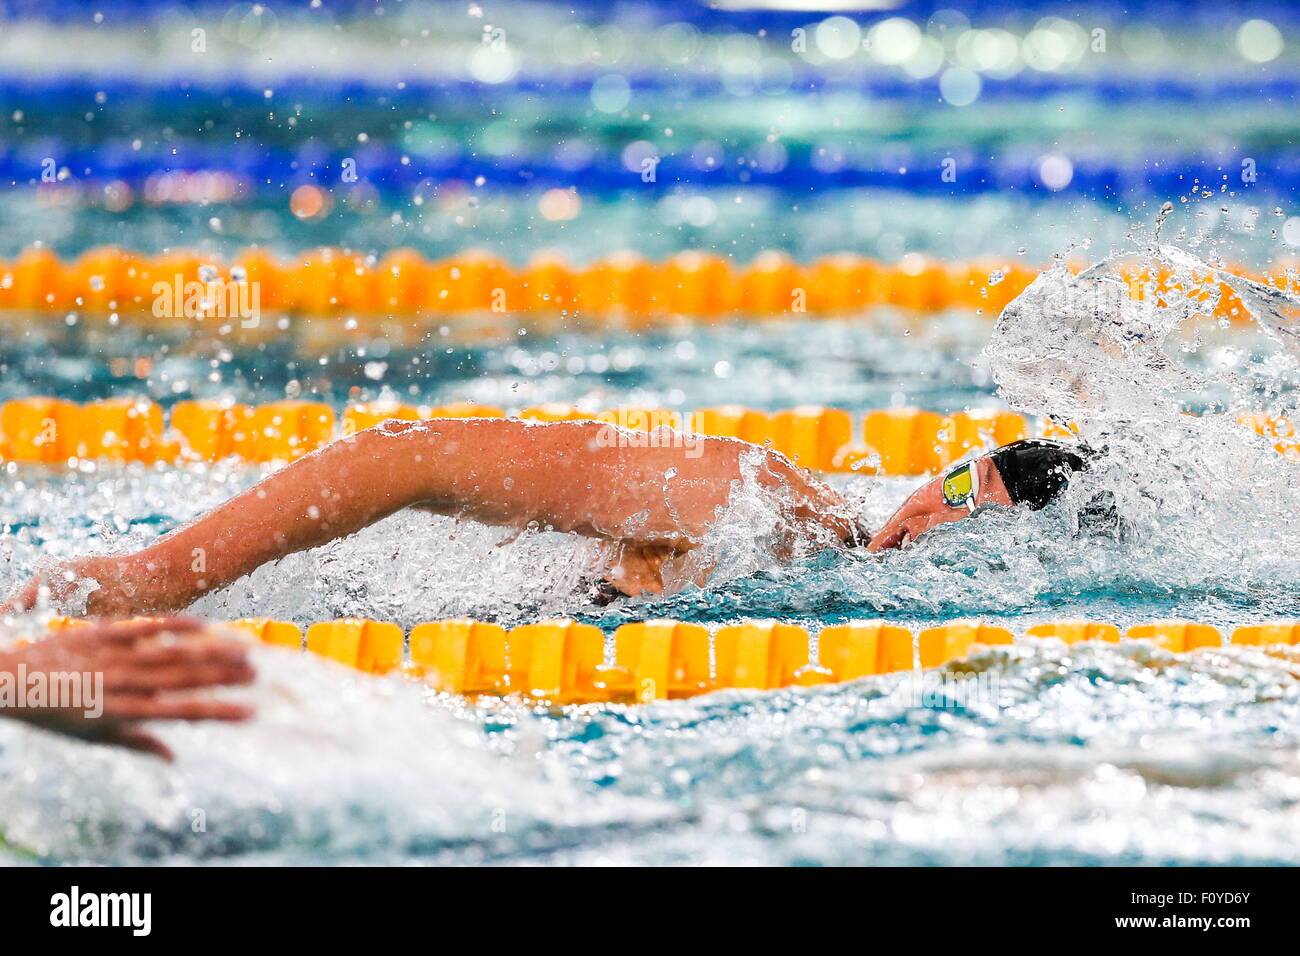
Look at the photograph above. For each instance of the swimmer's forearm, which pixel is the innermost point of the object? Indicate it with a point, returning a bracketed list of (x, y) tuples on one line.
[(344, 487)]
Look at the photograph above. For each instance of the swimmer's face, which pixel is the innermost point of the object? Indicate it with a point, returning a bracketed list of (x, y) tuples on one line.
[(926, 508)]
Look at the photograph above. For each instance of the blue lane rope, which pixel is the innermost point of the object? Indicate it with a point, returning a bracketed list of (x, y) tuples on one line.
[(1205, 14), (270, 171), (1277, 85)]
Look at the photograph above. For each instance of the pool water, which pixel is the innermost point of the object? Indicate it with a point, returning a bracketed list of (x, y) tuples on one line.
[(965, 132), (1092, 754), (1089, 753)]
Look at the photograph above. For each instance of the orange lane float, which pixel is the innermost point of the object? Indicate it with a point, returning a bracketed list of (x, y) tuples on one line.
[(566, 662), (556, 660), (376, 647), (279, 633), (206, 430), (461, 656), (621, 286), (1074, 631), (761, 654), (656, 660), (283, 431), (1177, 636), (860, 649), (893, 441), (938, 645), (36, 430)]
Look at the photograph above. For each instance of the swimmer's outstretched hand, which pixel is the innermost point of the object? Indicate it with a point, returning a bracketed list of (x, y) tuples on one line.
[(114, 592), (146, 667)]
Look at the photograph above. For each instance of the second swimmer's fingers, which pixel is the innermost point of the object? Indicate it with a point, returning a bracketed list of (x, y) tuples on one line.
[(133, 738), (126, 632), (180, 676), (154, 707), (890, 536), (207, 649)]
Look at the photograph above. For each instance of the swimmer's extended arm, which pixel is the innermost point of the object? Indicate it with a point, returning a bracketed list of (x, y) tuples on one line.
[(569, 476)]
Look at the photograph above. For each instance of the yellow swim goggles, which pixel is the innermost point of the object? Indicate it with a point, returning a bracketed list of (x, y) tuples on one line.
[(961, 486)]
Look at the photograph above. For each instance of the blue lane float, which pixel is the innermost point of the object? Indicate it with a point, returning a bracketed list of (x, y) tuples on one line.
[(268, 171), (1278, 84), (1165, 12)]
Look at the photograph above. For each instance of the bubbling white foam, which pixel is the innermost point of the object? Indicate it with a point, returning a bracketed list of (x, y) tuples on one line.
[(1202, 500)]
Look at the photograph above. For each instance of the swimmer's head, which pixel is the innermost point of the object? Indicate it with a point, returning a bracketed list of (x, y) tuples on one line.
[(1036, 470), (1032, 472)]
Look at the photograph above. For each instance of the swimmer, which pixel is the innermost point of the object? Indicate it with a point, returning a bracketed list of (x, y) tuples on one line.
[(150, 671), (650, 503), (1031, 472)]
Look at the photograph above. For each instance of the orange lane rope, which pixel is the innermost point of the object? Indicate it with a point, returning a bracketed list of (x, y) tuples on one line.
[(565, 662), (893, 441), (172, 289)]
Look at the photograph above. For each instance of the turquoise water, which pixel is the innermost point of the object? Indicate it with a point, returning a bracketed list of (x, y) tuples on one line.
[(1033, 754), (1087, 754), (1098, 754)]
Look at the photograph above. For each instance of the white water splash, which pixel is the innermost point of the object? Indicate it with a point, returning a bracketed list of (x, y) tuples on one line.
[(1204, 501), (334, 764)]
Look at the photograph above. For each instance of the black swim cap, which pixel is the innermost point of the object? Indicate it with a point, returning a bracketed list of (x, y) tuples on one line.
[(1036, 470)]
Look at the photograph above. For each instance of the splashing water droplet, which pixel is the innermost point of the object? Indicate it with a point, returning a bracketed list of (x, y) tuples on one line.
[(1161, 216)]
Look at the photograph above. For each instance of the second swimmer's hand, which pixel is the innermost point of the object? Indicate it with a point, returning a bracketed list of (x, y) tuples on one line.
[(150, 670)]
